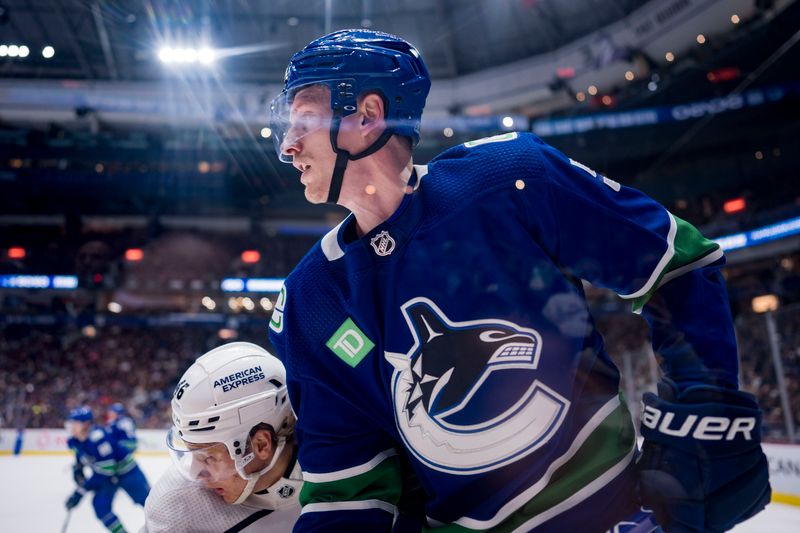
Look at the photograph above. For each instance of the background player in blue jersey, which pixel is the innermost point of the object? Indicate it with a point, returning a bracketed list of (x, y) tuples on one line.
[(121, 426), (112, 466), (430, 325)]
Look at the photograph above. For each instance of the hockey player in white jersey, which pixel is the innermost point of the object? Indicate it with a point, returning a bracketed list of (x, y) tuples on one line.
[(234, 457)]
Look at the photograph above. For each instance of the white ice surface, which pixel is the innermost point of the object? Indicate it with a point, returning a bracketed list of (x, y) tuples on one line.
[(33, 489)]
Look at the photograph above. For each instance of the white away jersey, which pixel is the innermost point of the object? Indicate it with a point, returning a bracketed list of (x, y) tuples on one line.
[(177, 505)]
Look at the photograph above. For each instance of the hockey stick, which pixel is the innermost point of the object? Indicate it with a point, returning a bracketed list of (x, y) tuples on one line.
[(66, 521)]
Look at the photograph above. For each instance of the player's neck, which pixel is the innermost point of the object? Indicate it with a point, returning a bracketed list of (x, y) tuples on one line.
[(377, 188)]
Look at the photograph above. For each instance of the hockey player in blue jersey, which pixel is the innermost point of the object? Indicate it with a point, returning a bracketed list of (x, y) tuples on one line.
[(112, 466), (121, 426), (427, 325)]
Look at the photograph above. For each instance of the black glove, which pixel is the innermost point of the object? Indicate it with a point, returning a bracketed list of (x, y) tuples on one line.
[(702, 468), (75, 499), (78, 475)]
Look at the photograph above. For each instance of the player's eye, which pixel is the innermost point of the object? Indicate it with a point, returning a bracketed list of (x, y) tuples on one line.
[(307, 122)]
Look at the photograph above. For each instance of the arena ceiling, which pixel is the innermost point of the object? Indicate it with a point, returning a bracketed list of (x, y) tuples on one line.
[(119, 40)]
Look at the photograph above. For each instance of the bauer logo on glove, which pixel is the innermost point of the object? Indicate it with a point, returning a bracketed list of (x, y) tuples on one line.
[(701, 428)]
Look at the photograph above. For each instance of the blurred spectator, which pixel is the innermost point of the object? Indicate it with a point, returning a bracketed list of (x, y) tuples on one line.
[(46, 372)]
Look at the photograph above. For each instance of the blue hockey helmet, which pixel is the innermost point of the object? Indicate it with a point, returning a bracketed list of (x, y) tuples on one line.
[(81, 414), (117, 407), (352, 63)]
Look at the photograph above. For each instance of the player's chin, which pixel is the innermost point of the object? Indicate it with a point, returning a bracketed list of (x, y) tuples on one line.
[(227, 496), (314, 195)]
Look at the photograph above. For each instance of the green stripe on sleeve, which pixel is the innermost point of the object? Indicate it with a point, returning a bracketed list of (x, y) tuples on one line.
[(380, 483), (598, 457), (690, 247)]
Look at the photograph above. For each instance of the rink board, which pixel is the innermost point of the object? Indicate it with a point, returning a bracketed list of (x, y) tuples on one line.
[(44, 455)]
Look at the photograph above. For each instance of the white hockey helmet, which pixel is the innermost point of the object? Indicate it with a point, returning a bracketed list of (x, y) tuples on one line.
[(224, 394)]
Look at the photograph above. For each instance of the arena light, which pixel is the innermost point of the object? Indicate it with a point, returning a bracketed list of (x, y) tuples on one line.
[(764, 303), (23, 281), (266, 133), (204, 56), (669, 56), (508, 122), (252, 284), (565, 73), (114, 307), (134, 254), (208, 303), (232, 285), (734, 205), (64, 282), (266, 303), (779, 230), (723, 74), (227, 334), (48, 52), (251, 256), (735, 19), (264, 284), (16, 252)]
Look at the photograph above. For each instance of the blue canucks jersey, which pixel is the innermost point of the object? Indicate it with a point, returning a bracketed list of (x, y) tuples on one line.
[(123, 430), (455, 336), (103, 453)]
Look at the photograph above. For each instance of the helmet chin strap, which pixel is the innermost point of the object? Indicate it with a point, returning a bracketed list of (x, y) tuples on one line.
[(343, 156), (253, 478)]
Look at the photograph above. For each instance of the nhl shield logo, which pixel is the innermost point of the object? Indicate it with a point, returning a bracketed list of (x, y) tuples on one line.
[(382, 243), (286, 491)]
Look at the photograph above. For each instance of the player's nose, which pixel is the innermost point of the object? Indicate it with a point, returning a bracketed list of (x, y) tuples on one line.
[(291, 145)]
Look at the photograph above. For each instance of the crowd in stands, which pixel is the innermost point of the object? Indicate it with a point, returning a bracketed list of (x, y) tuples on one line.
[(60, 351), (759, 374), (46, 371)]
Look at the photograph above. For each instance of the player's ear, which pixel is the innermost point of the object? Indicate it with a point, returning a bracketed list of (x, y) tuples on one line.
[(371, 109), (262, 444)]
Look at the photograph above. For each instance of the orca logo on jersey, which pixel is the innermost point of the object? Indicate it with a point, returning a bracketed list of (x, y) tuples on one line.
[(466, 397)]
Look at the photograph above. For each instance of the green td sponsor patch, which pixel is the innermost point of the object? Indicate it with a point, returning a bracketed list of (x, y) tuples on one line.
[(350, 343)]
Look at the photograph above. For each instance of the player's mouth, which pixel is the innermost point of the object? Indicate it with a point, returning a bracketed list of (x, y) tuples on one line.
[(303, 169)]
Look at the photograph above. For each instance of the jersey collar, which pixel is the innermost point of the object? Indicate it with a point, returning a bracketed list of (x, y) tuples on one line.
[(397, 228)]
